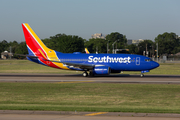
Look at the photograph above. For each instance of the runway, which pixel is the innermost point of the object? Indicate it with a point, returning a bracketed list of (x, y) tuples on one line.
[(69, 78), (116, 78), (70, 117)]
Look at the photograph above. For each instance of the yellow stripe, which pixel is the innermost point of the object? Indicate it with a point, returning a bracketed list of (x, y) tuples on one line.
[(42, 53), (74, 82), (96, 113)]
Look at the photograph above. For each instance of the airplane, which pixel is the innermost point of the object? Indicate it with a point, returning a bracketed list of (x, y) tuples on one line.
[(90, 64)]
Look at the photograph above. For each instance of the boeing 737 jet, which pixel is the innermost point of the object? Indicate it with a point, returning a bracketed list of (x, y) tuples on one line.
[(90, 64)]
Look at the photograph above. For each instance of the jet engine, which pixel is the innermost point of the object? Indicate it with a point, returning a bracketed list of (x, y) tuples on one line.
[(101, 70)]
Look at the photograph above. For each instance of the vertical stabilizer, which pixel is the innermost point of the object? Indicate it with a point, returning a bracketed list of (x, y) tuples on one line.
[(35, 46)]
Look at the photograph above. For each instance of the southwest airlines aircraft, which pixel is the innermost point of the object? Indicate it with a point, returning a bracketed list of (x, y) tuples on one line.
[(91, 64)]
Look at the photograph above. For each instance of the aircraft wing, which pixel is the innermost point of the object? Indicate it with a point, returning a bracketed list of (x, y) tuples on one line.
[(77, 65)]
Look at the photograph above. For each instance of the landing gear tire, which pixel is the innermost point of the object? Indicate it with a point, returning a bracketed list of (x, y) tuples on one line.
[(85, 74), (142, 75)]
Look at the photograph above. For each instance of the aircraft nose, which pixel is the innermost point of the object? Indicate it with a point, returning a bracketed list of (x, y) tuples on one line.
[(155, 64)]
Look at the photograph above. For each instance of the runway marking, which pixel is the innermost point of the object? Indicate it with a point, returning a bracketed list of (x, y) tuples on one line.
[(74, 82), (92, 114)]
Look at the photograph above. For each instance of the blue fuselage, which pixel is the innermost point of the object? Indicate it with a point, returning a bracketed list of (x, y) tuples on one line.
[(117, 62)]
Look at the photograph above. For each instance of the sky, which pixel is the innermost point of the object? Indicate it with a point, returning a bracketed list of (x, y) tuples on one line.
[(137, 19)]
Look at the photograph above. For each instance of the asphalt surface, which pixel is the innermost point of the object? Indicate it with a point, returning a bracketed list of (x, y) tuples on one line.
[(55, 115), (67, 117), (120, 78)]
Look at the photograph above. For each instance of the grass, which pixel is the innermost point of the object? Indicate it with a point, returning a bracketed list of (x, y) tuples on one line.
[(144, 98), (25, 66), (167, 69), (163, 69)]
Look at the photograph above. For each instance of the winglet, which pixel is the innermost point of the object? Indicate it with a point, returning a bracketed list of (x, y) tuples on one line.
[(87, 52)]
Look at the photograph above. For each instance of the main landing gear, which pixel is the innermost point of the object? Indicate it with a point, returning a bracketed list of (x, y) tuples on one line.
[(85, 74)]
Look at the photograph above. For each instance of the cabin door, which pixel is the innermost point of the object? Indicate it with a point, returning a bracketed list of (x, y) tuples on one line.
[(137, 60)]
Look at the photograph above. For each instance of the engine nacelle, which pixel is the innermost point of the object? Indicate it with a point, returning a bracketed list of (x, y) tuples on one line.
[(101, 70)]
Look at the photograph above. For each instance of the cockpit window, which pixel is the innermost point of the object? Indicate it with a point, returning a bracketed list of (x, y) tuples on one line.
[(148, 60)]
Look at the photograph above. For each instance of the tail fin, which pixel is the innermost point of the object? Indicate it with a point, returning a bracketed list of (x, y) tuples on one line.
[(37, 49), (35, 46)]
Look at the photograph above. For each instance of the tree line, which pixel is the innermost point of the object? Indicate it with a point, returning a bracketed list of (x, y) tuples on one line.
[(168, 43)]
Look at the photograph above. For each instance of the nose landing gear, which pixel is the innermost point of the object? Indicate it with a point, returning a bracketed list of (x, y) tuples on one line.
[(144, 71), (142, 75)]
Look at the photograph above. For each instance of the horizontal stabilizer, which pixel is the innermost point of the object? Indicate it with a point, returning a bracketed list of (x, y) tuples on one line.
[(30, 56)]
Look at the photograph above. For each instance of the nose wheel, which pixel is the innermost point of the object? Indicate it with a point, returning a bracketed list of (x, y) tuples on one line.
[(142, 75), (85, 74)]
